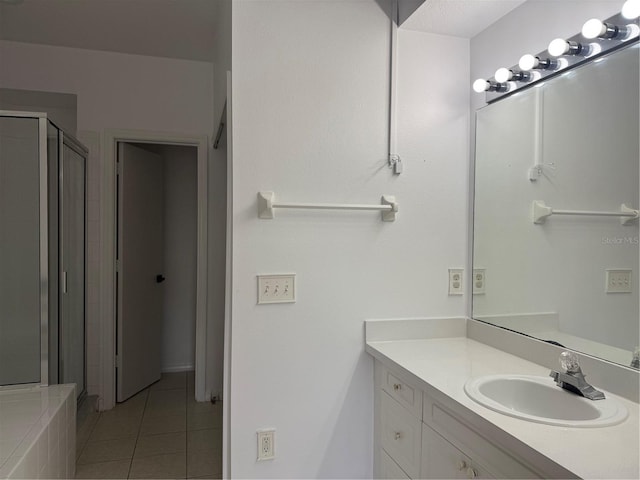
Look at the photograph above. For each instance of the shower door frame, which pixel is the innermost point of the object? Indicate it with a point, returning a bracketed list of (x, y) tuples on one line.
[(74, 144), (43, 174)]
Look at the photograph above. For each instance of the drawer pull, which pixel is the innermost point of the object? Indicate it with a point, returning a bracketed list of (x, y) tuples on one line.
[(398, 436), (471, 473), (397, 386), (461, 465)]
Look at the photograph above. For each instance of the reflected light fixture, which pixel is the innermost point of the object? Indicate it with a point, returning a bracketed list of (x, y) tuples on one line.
[(631, 9), (560, 46), (530, 62), (596, 37), (482, 85), (595, 28), (503, 75)]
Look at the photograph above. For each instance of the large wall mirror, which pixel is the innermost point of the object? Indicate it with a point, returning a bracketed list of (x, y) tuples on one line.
[(571, 143)]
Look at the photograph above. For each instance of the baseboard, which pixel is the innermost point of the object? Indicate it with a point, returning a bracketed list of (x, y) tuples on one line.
[(178, 368)]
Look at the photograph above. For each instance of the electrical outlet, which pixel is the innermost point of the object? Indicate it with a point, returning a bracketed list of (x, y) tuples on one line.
[(618, 281), (479, 280), (266, 444), (456, 284), (277, 288)]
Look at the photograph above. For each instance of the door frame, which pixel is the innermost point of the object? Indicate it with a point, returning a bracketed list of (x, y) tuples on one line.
[(108, 255)]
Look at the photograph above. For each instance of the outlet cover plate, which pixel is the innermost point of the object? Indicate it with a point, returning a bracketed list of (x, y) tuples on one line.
[(618, 281), (266, 444), (277, 288), (479, 281), (456, 282)]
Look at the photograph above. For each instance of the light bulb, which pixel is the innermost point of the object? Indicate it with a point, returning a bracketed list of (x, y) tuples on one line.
[(631, 9), (480, 85), (528, 62), (593, 29), (558, 47), (503, 75)]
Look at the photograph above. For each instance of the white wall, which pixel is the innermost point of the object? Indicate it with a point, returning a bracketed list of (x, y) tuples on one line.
[(310, 106), (560, 266), (180, 241), (115, 91), (60, 108)]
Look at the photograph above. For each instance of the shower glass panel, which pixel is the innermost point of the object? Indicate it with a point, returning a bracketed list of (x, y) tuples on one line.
[(42, 253), (20, 251), (72, 259)]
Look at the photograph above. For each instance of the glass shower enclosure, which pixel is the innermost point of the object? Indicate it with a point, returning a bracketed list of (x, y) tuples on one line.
[(42, 253)]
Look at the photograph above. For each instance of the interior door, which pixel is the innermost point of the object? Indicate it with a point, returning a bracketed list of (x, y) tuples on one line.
[(72, 264), (139, 269)]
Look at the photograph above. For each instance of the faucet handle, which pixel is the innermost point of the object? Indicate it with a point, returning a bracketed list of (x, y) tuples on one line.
[(569, 362)]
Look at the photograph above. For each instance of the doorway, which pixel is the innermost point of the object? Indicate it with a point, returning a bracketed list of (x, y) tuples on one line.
[(151, 143), (156, 263)]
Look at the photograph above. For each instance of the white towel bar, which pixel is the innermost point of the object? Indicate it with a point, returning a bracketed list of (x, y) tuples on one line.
[(540, 212), (266, 203)]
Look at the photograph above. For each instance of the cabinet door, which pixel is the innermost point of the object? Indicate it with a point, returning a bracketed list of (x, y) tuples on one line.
[(440, 459), (389, 469)]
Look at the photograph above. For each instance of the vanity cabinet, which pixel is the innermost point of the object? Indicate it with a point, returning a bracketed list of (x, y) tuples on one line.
[(440, 459), (418, 437)]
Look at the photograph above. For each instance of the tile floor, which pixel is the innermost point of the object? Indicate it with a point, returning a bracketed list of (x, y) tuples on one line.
[(161, 432)]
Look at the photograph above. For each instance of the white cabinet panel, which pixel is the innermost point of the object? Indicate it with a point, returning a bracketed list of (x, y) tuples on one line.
[(483, 452), (407, 395), (440, 459), (401, 435), (389, 469)]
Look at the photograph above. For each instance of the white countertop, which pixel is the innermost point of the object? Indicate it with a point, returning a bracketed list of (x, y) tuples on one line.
[(441, 366)]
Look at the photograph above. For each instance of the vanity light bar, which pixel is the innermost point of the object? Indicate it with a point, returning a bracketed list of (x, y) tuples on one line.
[(596, 39)]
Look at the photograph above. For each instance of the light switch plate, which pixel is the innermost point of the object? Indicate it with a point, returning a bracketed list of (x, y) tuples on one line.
[(277, 288), (618, 281)]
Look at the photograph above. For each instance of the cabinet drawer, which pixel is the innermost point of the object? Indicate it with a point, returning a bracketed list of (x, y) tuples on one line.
[(389, 469), (405, 394), (440, 459), (401, 435), (486, 457)]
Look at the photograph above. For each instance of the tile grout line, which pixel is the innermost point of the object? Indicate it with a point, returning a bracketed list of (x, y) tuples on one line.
[(146, 401), (86, 442)]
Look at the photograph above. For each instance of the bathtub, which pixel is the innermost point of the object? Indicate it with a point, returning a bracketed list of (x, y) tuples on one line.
[(38, 432)]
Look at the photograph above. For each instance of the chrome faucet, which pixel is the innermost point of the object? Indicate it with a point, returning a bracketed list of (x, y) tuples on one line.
[(635, 361), (573, 379)]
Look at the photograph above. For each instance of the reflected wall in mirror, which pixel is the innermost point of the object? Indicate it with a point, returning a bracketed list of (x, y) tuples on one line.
[(573, 144)]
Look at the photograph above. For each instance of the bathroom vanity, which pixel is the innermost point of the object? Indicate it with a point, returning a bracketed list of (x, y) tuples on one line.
[(426, 426)]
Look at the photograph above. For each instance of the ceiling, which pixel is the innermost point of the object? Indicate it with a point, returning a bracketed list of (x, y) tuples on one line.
[(162, 28), (458, 18), (184, 28)]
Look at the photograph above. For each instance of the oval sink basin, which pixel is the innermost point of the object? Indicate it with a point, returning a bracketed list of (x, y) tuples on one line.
[(539, 399)]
